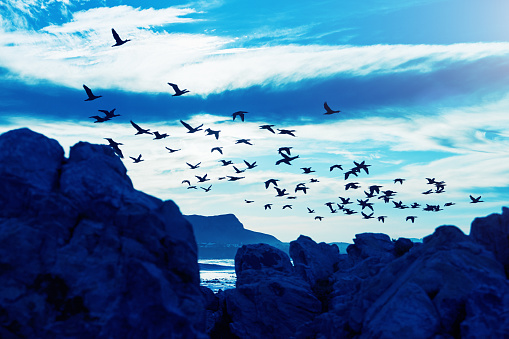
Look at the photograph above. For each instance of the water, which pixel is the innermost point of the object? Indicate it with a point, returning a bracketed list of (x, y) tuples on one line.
[(217, 274)]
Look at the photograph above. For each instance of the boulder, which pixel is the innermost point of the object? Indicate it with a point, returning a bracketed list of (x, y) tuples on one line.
[(90, 256), (374, 245)]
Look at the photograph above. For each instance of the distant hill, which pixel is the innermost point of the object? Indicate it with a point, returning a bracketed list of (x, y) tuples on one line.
[(220, 236)]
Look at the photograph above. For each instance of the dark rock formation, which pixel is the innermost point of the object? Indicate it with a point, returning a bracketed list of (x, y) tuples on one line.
[(85, 255)]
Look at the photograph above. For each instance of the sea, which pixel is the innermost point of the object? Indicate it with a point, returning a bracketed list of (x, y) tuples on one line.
[(217, 274)]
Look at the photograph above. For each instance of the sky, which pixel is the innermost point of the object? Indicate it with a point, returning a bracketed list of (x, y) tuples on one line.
[(422, 87)]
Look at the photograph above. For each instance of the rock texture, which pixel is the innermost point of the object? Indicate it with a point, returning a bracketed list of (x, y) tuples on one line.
[(85, 255)]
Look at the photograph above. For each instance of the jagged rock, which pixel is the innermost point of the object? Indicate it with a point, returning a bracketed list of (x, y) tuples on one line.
[(493, 233), (269, 300), (375, 245), (402, 246), (90, 257)]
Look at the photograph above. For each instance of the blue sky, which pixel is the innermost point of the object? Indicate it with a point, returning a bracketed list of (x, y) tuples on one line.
[(422, 87)]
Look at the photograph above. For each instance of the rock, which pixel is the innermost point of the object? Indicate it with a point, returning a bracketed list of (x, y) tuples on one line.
[(376, 245), (90, 256), (269, 300), (493, 233), (402, 246)]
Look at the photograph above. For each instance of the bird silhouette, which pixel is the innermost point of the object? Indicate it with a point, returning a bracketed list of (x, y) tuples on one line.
[(345, 201), (280, 192), (352, 185), (139, 129), (191, 129), (415, 205), (268, 128), (202, 179), (237, 170), (239, 114), (367, 216), (348, 173), (232, 178), (400, 180), (313, 180), (109, 114), (160, 136), (365, 203), (382, 218), (115, 147), (192, 187), (206, 189), (172, 150), (374, 189), (118, 41), (218, 149), (362, 165), (138, 159), (226, 162), (286, 159), (193, 166), (177, 90), (369, 194), (271, 181), (186, 182), (449, 204), (431, 181), (475, 200), (310, 210), (243, 141), (307, 170), (427, 192), (335, 166), (286, 131), (250, 165), (287, 150), (99, 119), (349, 211), (301, 187), (399, 205), (411, 218), (318, 218), (267, 206), (248, 201), (90, 95), (328, 109), (287, 206), (212, 132)]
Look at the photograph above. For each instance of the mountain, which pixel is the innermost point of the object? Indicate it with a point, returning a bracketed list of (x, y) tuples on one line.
[(220, 236)]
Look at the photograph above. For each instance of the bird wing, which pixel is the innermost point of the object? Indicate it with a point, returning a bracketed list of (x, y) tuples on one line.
[(88, 90), (186, 125), (327, 108), (174, 86), (115, 36), (136, 126)]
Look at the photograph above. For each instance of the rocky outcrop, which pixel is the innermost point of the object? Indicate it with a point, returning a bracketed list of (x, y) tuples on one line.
[(83, 254)]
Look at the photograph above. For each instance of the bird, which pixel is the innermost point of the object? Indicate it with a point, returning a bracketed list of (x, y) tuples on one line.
[(248, 201), (367, 216), (374, 189), (286, 159), (475, 200), (287, 206), (109, 114), (186, 182), (328, 109), (99, 119), (292, 197), (431, 181), (177, 90), (202, 179), (212, 132), (90, 95), (271, 181), (226, 162), (313, 180), (206, 189), (449, 204), (140, 130), (239, 114), (218, 149), (329, 204), (318, 218), (268, 128), (310, 210), (365, 203), (244, 141), (287, 150), (267, 206), (172, 150), (232, 178), (250, 165), (237, 170), (118, 41), (192, 187), (352, 185), (348, 173), (301, 187), (280, 192), (411, 218), (362, 165), (400, 180), (345, 201), (349, 211), (427, 192), (160, 136), (399, 205), (335, 166), (115, 147), (382, 218), (307, 170), (189, 128), (369, 194), (138, 159), (286, 131), (193, 166), (415, 205)]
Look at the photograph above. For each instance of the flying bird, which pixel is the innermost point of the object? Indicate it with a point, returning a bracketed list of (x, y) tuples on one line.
[(367, 216), (250, 166), (400, 180), (138, 159), (301, 187), (285, 149), (271, 181), (172, 150), (267, 206), (345, 201), (115, 147), (328, 109), (99, 119), (365, 203), (318, 218), (212, 132), (189, 128), (313, 180), (202, 179), (177, 90), (237, 170), (226, 162), (475, 200), (140, 130), (352, 185), (248, 201), (335, 166), (310, 210), (109, 114), (193, 166), (244, 141), (287, 206), (449, 204), (232, 178), (90, 95), (382, 218), (118, 41), (286, 131), (362, 165), (411, 218), (307, 170), (206, 189), (239, 114), (160, 136), (218, 149), (348, 173), (280, 192), (186, 182), (286, 159), (268, 128)]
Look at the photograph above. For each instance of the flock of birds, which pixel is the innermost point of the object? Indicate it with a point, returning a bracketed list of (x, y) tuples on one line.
[(344, 205)]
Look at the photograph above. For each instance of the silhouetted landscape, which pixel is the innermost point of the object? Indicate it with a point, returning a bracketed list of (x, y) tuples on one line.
[(84, 254)]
